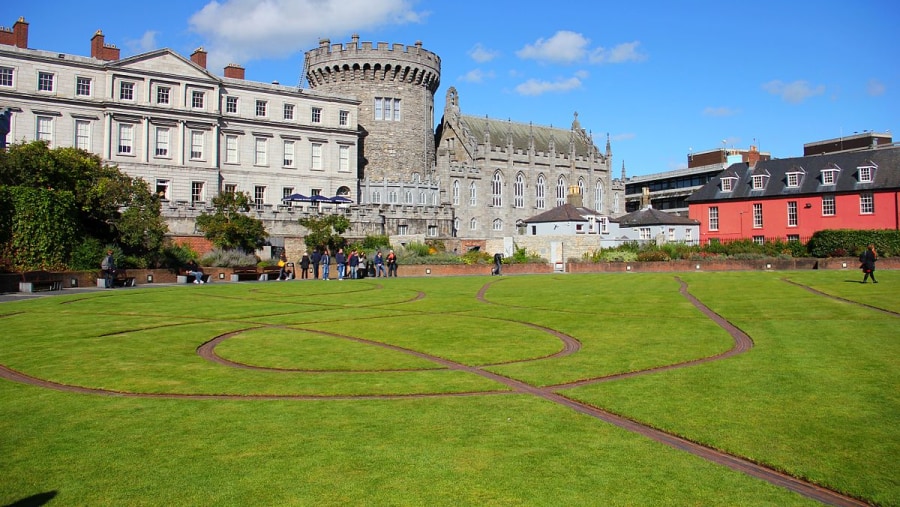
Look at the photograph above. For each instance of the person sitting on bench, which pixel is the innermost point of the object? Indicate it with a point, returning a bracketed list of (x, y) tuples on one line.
[(192, 269)]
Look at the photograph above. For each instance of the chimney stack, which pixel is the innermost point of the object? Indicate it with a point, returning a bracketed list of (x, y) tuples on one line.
[(199, 57), (574, 197), (234, 71), (102, 51), (753, 156), (17, 36)]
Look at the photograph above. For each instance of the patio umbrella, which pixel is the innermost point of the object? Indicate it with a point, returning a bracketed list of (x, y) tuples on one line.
[(296, 197), (341, 199)]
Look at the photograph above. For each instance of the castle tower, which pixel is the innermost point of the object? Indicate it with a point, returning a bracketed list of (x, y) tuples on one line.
[(396, 86)]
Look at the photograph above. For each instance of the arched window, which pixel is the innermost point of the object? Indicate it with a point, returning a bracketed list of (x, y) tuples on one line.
[(376, 197), (456, 225), (598, 197), (616, 204), (408, 197), (519, 192), (581, 189), (472, 194), (540, 192), (473, 224), (497, 224), (497, 190), (560, 191), (456, 192)]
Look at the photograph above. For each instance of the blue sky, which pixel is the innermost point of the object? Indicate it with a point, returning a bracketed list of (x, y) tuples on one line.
[(661, 80)]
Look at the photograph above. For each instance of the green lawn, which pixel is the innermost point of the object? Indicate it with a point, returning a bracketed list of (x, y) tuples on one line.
[(327, 410)]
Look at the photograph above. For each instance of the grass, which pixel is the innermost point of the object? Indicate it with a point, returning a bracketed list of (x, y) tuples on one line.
[(817, 396)]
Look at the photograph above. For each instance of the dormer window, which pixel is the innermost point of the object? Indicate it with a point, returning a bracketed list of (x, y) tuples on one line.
[(793, 178), (866, 173), (728, 184), (759, 181), (829, 176)]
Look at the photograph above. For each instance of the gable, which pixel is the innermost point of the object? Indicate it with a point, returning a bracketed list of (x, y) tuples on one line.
[(164, 61)]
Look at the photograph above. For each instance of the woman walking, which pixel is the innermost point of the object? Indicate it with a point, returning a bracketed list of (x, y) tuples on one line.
[(868, 259)]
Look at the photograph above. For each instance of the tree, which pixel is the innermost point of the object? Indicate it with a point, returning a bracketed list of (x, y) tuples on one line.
[(229, 227), (325, 231)]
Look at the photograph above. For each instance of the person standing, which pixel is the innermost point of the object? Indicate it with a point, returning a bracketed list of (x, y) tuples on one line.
[(316, 259), (353, 261), (325, 260), (108, 266), (379, 265), (868, 259), (391, 261), (282, 263), (498, 262), (304, 266), (341, 262)]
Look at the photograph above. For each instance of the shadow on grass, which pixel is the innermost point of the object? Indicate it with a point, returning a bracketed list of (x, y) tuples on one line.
[(34, 500)]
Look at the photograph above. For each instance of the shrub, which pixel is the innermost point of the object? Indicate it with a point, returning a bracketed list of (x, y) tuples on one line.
[(228, 258)]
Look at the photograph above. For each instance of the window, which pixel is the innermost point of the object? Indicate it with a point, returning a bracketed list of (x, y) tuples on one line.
[(644, 232), (671, 234), (230, 188), (289, 153), (829, 176), (83, 135), (45, 81), (866, 173), (344, 163), (432, 230), (259, 196), (792, 213), (261, 157), (727, 184), (759, 181), (376, 197), (688, 235), (344, 118), (714, 218), (316, 161), (162, 189), (163, 94), (387, 109), (456, 192), (231, 149), (261, 107), (759, 240), (560, 191), (286, 192), (402, 230), (615, 203), (456, 225), (197, 99), (497, 224), (162, 142), (422, 198), (392, 196), (126, 139), (196, 145), (757, 216), (866, 204), (6, 76), (598, 197), (83, 86), (316, 115), (196, 192), (288, 111), (519, 191), (497, 190), (793, 179), (828, 207), (231, 105), (540, 193), (795, 238), (472, 194), (126, 90), (473, 225)]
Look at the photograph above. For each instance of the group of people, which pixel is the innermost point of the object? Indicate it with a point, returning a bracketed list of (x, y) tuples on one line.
[(353, 264)]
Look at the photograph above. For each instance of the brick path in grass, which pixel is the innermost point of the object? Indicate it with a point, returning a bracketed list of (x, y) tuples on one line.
[(742, 343)]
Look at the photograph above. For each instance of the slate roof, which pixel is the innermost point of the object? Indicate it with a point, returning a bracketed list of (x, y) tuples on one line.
[(564, 213), (649, 216), (522, 133), (886, 176)]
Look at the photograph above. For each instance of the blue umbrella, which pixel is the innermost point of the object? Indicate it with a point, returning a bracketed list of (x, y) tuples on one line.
[(341, 199), (296, 197)]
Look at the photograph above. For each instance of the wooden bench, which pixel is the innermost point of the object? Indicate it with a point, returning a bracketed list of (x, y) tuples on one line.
[(120, 280), (245, 273), (34, 281), (185, 278), (270, 273)]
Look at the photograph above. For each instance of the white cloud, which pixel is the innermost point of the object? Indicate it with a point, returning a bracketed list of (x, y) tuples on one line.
[(719, 111), (146, 43), (875, 88), (625, 52), (481, 54), (476, 76), (563, 47), (537, 87), (237, 31), (625, 136), (795, 92)]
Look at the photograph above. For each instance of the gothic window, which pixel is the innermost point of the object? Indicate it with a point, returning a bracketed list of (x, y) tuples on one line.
[(560, 191), (519, 191), (472, 194), (540, 192), (497, 190), (598, 197), (456, 192)]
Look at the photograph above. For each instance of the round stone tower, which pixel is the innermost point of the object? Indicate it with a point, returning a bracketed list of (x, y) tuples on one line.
[(395, 85)]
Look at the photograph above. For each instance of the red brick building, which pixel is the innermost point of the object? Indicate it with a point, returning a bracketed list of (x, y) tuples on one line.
[(790, 199)]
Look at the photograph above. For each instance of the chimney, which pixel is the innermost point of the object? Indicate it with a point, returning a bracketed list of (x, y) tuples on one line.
[(17, 36), (753, 156), (199, 57), (102, 51), (234, 71), (574, 197)]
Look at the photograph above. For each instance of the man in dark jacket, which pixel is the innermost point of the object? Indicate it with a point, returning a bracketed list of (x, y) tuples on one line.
[(316, 258), (108, 265)]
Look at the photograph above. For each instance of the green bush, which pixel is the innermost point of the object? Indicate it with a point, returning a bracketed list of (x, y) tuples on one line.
[(373, 243), (221, 258), (851, 242), (87, 255)]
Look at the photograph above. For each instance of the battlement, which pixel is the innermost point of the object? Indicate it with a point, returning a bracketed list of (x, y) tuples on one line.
[(356, 51)]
